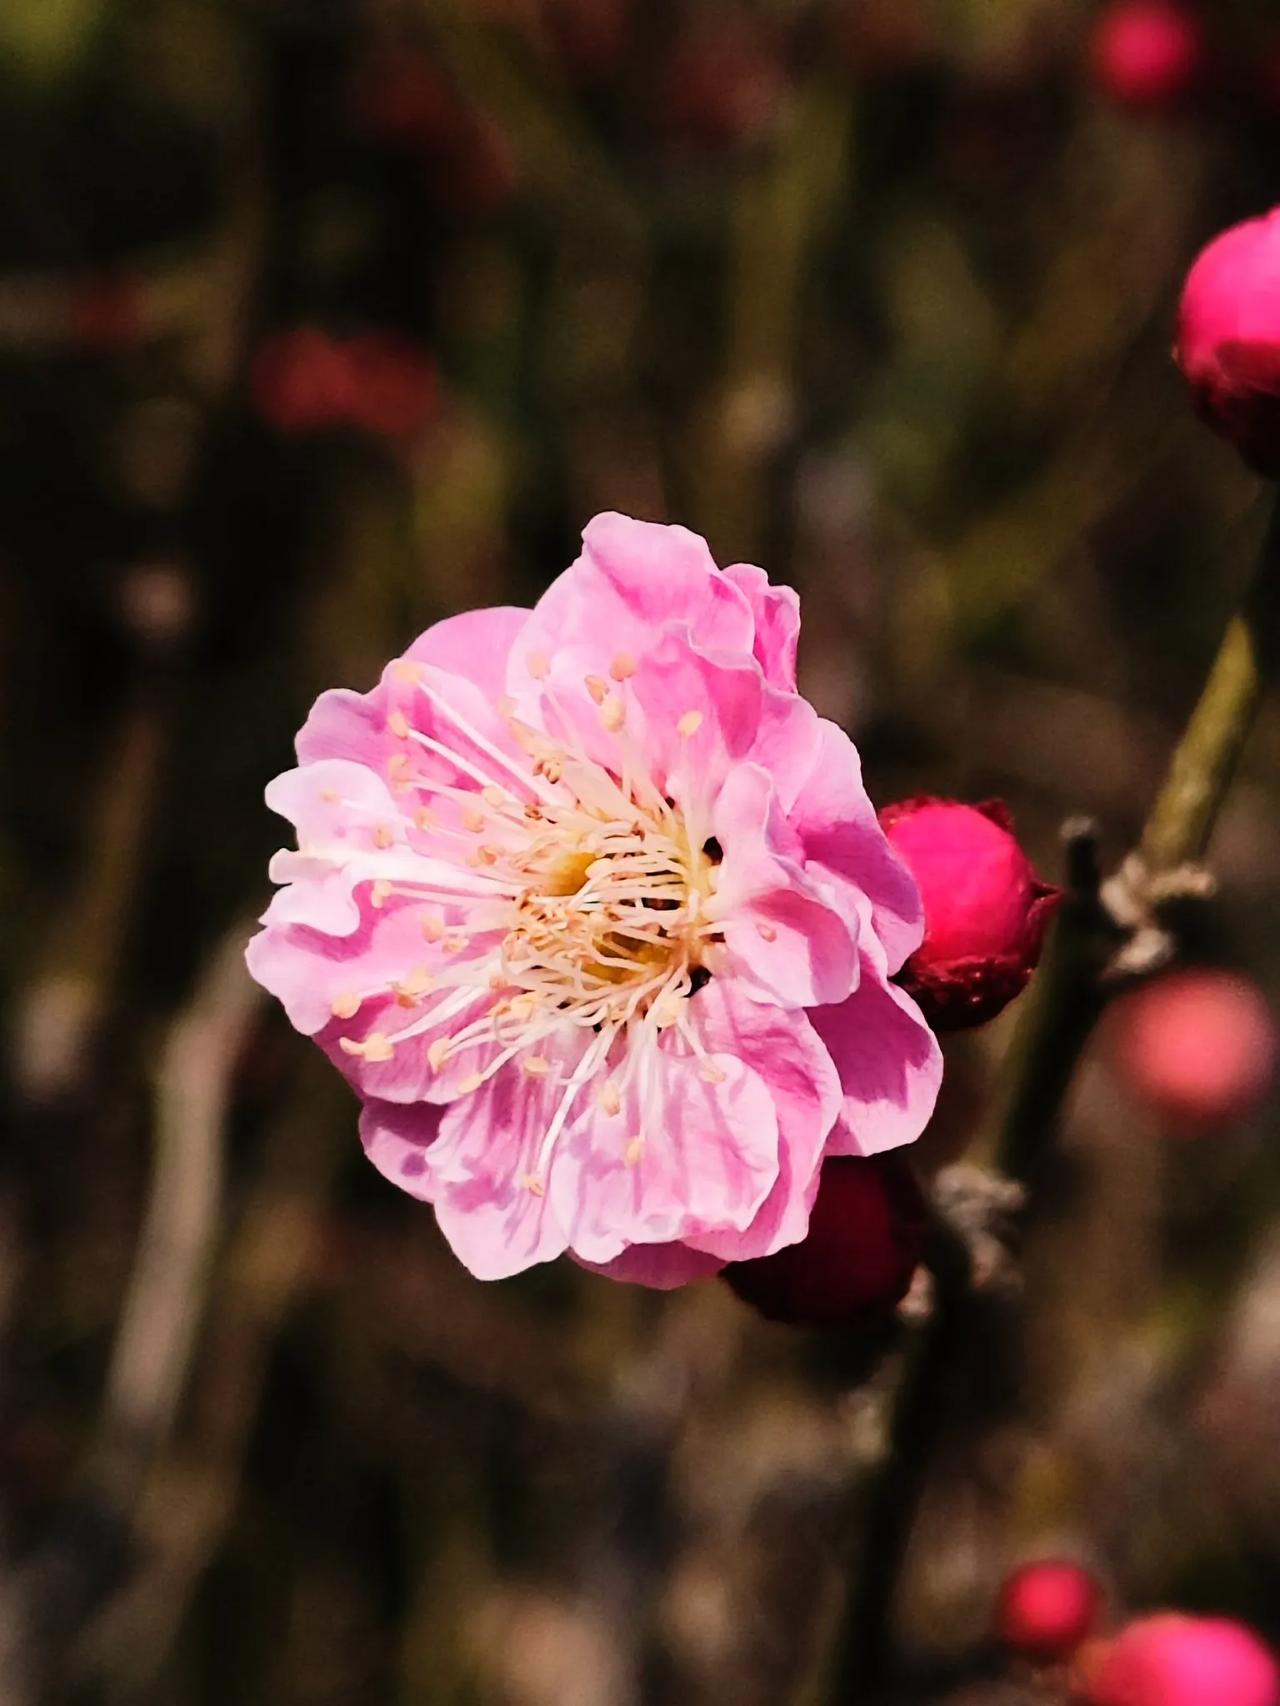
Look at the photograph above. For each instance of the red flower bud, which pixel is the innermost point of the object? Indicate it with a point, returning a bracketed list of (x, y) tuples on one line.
[(866, 1234), (1198, 1047), (301, 380), (1174, 1660), (1046, 1609), (1147, 54), (985, 909), (1228, 344), (394, 388)]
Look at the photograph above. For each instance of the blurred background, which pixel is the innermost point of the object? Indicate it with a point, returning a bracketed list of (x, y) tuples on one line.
[(323, 319)]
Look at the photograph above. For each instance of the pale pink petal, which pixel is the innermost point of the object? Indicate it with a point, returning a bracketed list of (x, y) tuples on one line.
[(889, 1063), (784, 1052), (633, 579), (488, 1171), (495, 1225), (703, 714), (349, 831), (776, 610), (783, 941), (309, 971), (708, 1156), (837, 825), (477, 644), (396, 1139)]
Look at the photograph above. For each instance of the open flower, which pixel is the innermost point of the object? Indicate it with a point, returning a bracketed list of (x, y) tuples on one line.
[(594, 912)]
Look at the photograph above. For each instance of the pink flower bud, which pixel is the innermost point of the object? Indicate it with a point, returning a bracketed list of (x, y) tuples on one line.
[(1197, 1047), (1174, 1660), (1147, 54), (865, 1237), (985, 909), (1046, 1609), (1228, 344)]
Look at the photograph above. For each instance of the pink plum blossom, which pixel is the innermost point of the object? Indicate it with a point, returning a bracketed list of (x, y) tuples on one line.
[(592, 909)]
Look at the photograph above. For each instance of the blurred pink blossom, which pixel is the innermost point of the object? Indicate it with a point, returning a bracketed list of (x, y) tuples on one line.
[(1148, 55), (1175, 1660), (593, 910)]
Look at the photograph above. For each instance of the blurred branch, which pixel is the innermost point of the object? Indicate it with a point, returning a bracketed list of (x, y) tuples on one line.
[(1067, 998), (166, 1292), (1068, 995), (780, 214)]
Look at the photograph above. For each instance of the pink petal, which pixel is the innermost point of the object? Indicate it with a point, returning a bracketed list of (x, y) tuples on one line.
[(396, 1139), (476, 644), (484, 1163), (709, 1157), (889, 1063), (776, 610), (308, 970), (842, 840), (784, 1051), (783, 941), (633, 579)]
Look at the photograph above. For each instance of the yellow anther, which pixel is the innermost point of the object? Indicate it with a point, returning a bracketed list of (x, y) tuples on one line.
[(384, 836), (407, 672), (397, 764), (539, 665), (473, 819), (346, 1005), (398, 723), (493, 796), (471, 1082), (438, 1053), (634, 1150), (609, 1099), (711, 1073), (454, 943), (613, 713), (623, 667), (379, 892), (432, 927), (418, 982), (689, 724), (534, 1186), (490, 855), (349, 1045), (536, 1065), (330, 796), (377, 1046), (598, 688), (423, 818)]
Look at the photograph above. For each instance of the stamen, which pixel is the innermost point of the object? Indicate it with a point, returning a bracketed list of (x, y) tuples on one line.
[(689, 724)]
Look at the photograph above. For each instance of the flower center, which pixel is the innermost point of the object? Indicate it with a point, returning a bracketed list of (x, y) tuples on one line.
[(572, 901)]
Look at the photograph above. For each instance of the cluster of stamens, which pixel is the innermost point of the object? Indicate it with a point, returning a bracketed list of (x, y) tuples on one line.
[(558, 892)]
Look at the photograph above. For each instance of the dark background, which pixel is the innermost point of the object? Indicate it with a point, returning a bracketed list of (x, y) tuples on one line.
[(320, 320)]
